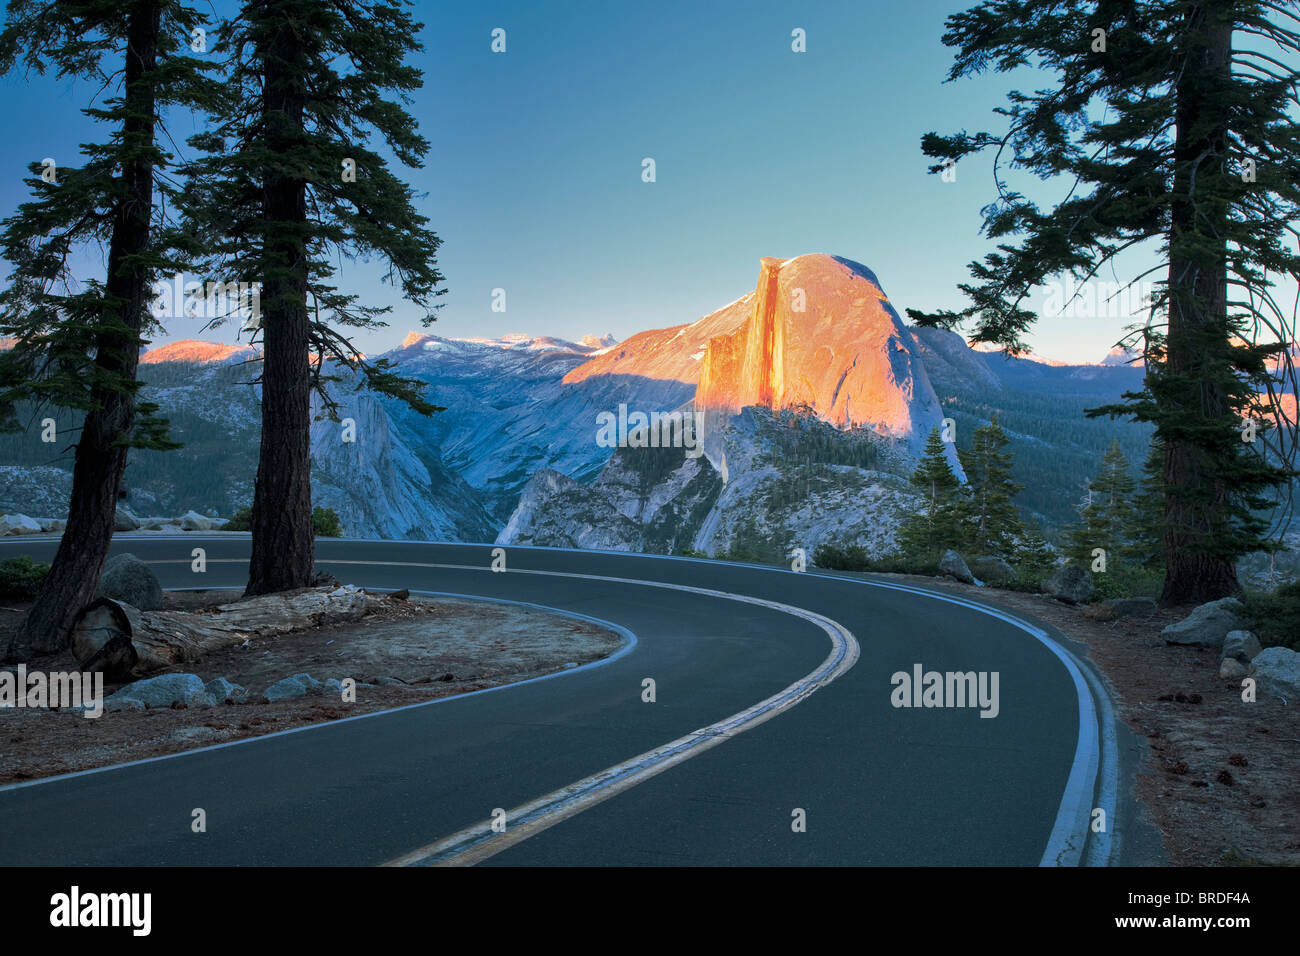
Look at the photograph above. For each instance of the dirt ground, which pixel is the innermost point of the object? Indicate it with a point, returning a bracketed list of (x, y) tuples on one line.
[(1222, 777), (421, 649)]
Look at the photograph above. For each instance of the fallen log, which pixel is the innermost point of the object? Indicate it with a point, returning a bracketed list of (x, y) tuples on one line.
[(123, 641)]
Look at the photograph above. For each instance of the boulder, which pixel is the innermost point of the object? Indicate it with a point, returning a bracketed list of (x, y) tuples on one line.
[(161, 691), (1231, 667), (128, 579), (19, 524), (52, 524), (1071, 584), (1277, 670), (1241, 646), (123, 520), (993, 570), (953, 565), (299, 685), (193, 521), (1131, 607), (1207, 625), (220, 690)]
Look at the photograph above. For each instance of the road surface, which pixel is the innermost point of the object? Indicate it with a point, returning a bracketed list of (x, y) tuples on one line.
[(871, 783)]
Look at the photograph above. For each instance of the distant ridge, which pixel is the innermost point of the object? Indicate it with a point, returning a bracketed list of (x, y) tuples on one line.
[(198, 352)]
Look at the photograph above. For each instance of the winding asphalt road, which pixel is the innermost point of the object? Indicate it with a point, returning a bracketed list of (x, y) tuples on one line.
[(877, 784)]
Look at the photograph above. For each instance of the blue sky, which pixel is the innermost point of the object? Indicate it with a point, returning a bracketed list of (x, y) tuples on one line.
[(534, 177)]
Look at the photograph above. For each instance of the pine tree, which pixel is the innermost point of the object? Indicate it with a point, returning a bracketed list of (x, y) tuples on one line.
[(1146, 547), (78, 338), (1106, 518), (1165, 133), (1033, 553), (942, 521), (288, 185), (995, 523)]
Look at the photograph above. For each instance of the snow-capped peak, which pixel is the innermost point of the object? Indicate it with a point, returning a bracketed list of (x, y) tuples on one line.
[(1120, 355)]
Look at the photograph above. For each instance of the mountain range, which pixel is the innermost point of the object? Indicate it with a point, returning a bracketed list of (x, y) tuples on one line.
[(808, 395)]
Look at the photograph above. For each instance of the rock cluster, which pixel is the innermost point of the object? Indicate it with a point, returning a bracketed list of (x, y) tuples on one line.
[(123, 520), (189, 690)]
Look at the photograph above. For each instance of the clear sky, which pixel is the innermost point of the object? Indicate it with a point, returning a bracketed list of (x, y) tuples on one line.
[(534, 181)]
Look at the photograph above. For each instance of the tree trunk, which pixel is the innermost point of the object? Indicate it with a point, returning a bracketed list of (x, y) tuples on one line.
[(283, 541), (100, 458), (125, 642), (1196, 496)]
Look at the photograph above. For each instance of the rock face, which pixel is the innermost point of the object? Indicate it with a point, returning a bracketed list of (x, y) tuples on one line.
[(33, 489), (1277, 670), (993, 570), (127, 578), (206, 391), (1071, 584), (821, 334), (635, 504), (19, 524), (511, 411), (195, 352), (816, 348), (946, 355), (376, 481), (952, 564), (1207, 625), (556, 511)]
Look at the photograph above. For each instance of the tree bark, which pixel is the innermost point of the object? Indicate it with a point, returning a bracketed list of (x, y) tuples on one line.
[(100, 458), (283, 542), (1196, 497)]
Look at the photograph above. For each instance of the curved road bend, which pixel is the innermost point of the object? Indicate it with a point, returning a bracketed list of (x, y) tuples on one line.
[(877, 784)]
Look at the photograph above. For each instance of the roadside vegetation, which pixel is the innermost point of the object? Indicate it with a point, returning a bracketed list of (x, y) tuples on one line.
[(21, 578), (324, 521)]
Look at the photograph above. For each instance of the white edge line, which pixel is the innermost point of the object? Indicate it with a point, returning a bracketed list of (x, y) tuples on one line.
[(1070, 834), (629, 643), (1107, 782)]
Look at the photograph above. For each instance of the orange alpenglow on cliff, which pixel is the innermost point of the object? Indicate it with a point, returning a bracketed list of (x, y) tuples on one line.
[(821, 333), (817, 330)]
